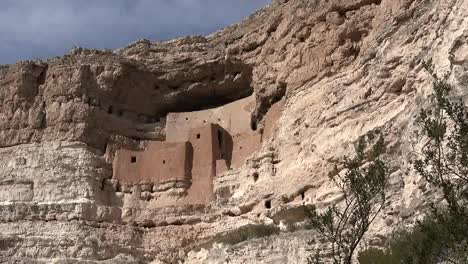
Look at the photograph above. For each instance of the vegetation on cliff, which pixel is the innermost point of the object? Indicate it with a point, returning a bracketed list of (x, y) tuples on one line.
[(442, 236), (362, 181)]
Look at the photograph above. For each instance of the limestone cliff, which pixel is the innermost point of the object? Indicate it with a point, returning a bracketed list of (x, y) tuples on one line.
[(339, 68)]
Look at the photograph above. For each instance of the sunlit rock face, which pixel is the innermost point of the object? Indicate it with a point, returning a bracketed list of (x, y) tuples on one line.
[(316, 75)]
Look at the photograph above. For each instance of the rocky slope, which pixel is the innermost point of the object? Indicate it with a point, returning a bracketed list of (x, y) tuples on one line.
[(342, 67)]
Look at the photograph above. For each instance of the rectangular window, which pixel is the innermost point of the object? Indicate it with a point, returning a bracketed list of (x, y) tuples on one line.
[(220, 138), (133, 159)]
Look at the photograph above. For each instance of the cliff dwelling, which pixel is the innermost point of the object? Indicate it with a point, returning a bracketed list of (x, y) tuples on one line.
[(199, 146), (170, 151)]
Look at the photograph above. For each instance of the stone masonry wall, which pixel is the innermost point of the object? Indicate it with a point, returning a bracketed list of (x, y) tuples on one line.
[(160, 162), (234, 117), (197, 150)]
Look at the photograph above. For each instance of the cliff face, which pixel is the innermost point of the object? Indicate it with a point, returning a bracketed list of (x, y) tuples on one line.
[(340, 68)]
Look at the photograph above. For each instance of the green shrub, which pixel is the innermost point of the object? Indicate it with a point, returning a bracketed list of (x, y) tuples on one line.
[(443, 160), (247, 232), (362, 181), (292, 227), (375, 256), (441, 236)]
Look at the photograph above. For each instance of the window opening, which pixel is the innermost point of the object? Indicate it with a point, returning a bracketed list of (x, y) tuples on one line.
[(220, 138), (220, 143), (255, 176), (253, 125)]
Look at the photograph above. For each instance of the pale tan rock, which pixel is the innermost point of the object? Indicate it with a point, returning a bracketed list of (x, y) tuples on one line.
[(342, 68)]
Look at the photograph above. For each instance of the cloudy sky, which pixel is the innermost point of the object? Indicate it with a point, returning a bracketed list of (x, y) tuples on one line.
[(42, 28)]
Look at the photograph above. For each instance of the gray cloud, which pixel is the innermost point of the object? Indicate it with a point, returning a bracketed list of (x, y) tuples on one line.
[(43, 28)]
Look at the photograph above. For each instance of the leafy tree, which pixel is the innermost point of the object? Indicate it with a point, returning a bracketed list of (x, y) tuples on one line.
[(443, 162), (442, 236), (363, 186), (444, 158)]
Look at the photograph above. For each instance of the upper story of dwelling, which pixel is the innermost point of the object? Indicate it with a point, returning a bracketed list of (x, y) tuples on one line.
[(234, 117), (200, 142), (199, 146)]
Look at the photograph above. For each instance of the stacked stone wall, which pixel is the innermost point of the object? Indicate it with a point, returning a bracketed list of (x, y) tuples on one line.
[(160, 162), (199, 146)]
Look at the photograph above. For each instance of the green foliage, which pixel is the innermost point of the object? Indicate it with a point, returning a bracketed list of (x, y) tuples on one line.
[(292, 227), (444, 158), (440, 237), (247, 232), (375, 256), (363, 186)]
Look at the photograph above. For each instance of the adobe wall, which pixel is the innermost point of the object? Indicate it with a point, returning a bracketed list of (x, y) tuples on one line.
[(234, 118), (221, 166), (243, 146), (199, 146), (206, 150), (160, 162), (246, 143), (271, 119)]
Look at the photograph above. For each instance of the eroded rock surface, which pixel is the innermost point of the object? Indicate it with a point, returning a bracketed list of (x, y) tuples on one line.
[(339, 69)]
